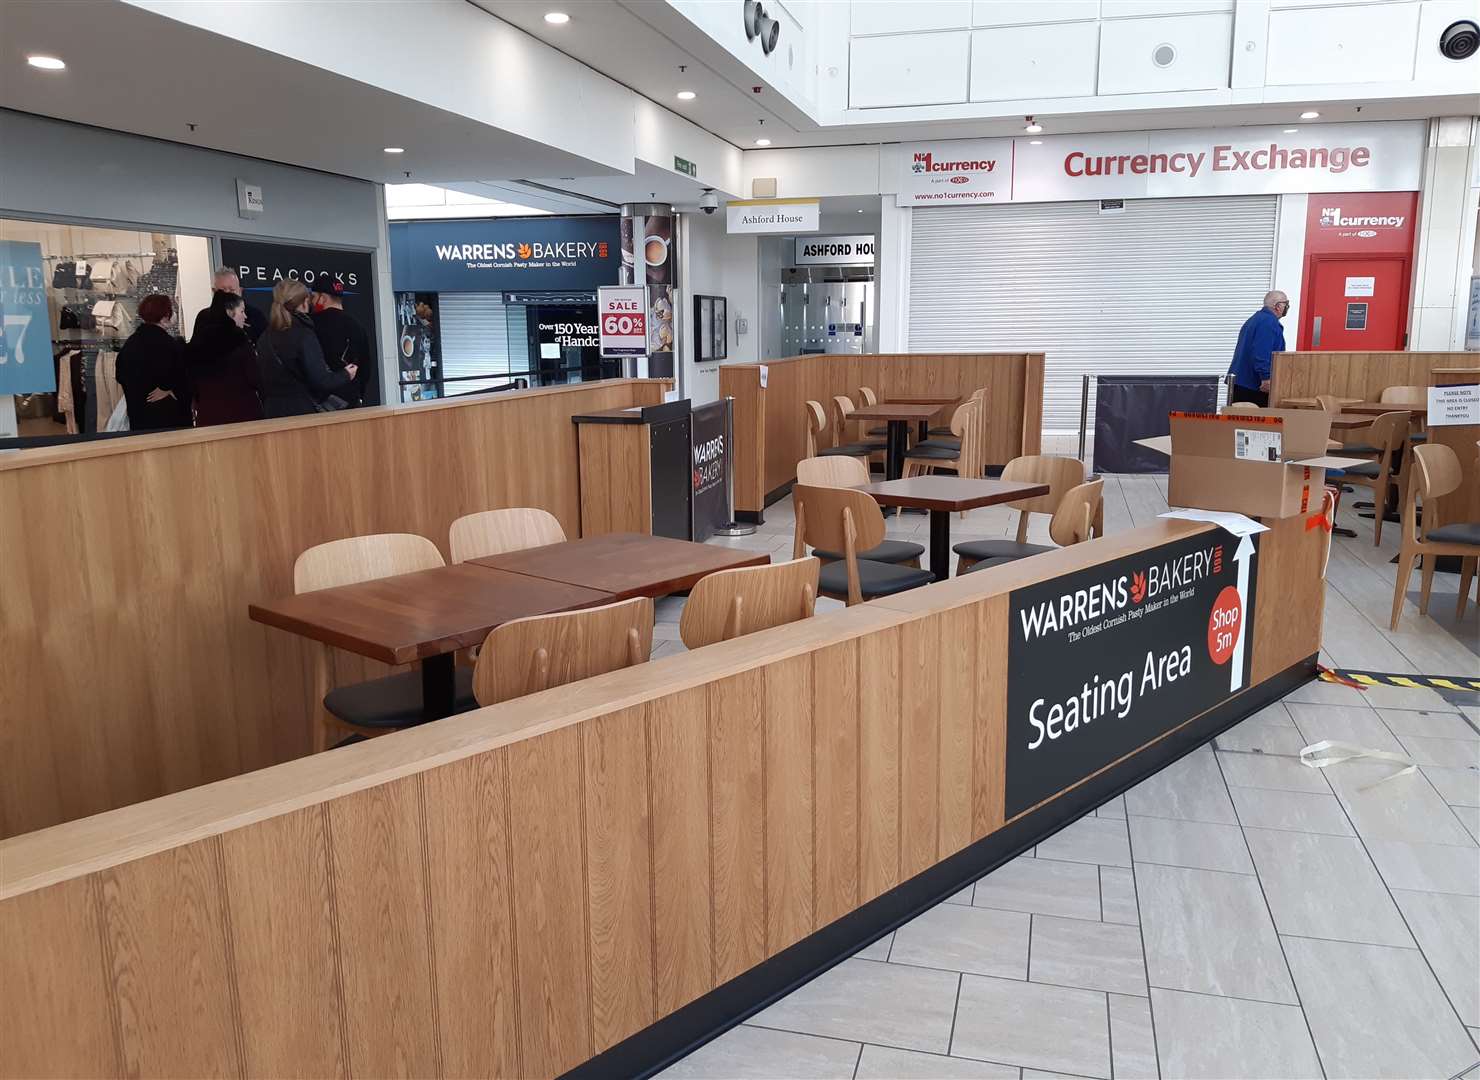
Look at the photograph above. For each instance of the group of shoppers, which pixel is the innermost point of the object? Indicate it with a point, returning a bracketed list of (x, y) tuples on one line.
[(307, 355)]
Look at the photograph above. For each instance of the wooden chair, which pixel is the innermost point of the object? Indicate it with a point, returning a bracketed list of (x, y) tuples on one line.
[(848, 521), (493, 532), (868, 397), (1242, 407), (526, 656), (817, 446), (946, 436), (1059, 473), (964, 457), (383, 705), (843, 421), (1387, 434), (851, 473), (732, 603), (1436, 472), (1072, 523)]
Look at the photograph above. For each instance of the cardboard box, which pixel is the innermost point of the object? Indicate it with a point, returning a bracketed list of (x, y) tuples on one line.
[(1268, 464)]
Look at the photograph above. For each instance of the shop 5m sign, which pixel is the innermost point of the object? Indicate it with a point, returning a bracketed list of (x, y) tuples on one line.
[(1105, 660)]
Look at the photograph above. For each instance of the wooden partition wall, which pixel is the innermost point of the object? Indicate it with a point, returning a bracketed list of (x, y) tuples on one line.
[(1363, 375), (771, 428), (128, 666), (511, 891)]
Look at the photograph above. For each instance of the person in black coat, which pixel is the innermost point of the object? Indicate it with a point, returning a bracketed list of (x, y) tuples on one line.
[(151, 370), (343, 339), (223, 364), (226, 280), (292, 375)]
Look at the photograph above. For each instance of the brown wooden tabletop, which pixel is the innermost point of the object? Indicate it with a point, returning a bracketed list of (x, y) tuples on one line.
[(417, 616), (1342, 422), (624, 564), (1312, 403), (924, 400), (950, 492), (895, 411), (1377, 408)]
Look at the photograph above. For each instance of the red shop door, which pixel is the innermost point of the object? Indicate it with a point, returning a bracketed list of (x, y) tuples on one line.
[(1357, 305)]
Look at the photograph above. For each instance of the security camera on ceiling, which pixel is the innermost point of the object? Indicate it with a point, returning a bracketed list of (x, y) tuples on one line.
[(760, 25), (709, 201)]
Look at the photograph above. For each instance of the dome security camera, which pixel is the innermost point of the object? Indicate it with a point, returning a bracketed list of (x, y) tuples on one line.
[(1460, 40), (709, 201)]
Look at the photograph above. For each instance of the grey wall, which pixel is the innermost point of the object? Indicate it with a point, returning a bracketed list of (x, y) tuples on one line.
[(52, 168)]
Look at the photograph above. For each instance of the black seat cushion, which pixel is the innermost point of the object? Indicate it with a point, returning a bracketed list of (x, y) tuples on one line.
[(1422, 436), (394, 701), (844, 451), (874, 579), (1461, 532), (940, 431), (1360, 450), (1369, 469), (890, 551), (934, 452), (950, 444), (987, 563), (884, 431), (999, 549)]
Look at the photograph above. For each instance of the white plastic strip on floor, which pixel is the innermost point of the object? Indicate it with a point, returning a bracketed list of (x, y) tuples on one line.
[(1328, 752)]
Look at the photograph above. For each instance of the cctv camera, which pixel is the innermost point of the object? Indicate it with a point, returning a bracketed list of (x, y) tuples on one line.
[(1460, 40), (709, 201)]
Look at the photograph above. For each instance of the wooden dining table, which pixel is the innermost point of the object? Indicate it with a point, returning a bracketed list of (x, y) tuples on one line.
[(1377, 408), (428, 615), (943, 496), (899, 417), (924, 399)]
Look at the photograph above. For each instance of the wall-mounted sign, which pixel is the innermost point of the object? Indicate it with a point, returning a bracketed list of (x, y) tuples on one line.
[(1451, 406), (1109, 658), (621, 317), (773, 216), (499, 254), (835, 251), (249, 201), (1361, 286), (710, 453), (685, 166), (25, 325), (1155, 164)]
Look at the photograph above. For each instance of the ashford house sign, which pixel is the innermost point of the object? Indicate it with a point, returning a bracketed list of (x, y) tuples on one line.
[(772, 216)]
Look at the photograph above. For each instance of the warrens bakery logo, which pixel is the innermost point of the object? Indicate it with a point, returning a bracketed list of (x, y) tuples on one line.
[(1072, 609), (1333, 218), (533, 251), (925, 163)]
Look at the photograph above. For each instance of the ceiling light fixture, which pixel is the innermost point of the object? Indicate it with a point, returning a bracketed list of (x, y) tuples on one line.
[(1291, 131), (1035, 142), (859, 210), (46, 63), (686, 95), (556, 18), (763, 142), (395, 149), (1033, 127), (1310, 115)]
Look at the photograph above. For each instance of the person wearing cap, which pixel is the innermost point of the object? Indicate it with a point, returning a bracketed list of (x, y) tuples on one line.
[(343, 340)]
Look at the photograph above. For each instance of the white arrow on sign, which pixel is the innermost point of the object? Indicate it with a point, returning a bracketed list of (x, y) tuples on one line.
[(1243, 556)]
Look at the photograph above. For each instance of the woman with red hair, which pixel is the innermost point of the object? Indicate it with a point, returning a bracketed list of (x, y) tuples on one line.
[(151, 370)]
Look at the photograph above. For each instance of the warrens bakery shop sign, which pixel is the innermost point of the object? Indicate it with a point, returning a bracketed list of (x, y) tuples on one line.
[(498, 254), (1159, 164)]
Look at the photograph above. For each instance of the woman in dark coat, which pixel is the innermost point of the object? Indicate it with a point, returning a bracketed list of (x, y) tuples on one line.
[(151, 370), (223, 364), (293, 378)]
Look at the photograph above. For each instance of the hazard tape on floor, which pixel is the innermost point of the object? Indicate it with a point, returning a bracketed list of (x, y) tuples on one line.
[(1360, 680)]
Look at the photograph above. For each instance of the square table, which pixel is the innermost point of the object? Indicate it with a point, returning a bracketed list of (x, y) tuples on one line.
[(899, 417), (924, 399), (944, 495), (1377, 408), (427, 615), (624, 565)]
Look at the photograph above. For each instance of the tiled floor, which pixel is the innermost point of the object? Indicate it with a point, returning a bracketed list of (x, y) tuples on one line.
[(1236, 915)]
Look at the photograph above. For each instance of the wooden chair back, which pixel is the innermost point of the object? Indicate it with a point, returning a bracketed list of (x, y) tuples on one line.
[(867, 396), (1403, 395), (836, 519), (832, 471), (816, 425), (1436, 470), (526, 656), (731, 603), (1388, 433), (1073, 521), (1242, 407), (493, 532), (1059, 472), (842, 406), (1328, 403), (363, 558)]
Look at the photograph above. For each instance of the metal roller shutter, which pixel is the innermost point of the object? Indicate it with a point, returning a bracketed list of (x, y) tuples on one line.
[(1162, 287), (475, 339)]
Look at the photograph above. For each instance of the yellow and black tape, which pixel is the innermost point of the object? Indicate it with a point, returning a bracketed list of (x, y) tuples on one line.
[(1363, 679)]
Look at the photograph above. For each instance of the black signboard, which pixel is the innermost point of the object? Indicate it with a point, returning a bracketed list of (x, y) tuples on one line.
[(711, 462), (262, 265), (1102, 661), (1131, 407), (500, 254)]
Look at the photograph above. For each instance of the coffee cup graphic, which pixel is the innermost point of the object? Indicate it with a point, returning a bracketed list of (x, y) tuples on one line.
[(408, 345), (655, 250)]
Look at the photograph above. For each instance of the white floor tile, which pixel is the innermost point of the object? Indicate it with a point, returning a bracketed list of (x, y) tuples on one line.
[(1118, 896), (1429, 725), (980, 940), (1448, 931), (747, 1052), (1092, 956), (1469, 816), (1259, 737), (1448, 753), (879, 950), (1089, 840), (1267, 771), (1198, 844), (1427, 867), (1042, 1027), (1043, 886), (1132, 1041), (887, 1063), (1376, 1011), (1343, 723), (909, 1007), (1300, 811), (1459, 787), (1201, 1037), (1190, 789), (1401, 808)]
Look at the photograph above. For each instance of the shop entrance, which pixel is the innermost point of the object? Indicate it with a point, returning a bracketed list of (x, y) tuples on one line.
[(1357, 304)]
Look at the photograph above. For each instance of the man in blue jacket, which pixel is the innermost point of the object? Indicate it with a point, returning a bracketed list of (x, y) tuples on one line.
[(1260, 338)]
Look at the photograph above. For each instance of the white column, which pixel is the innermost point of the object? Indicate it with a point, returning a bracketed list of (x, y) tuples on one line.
[(1446, 237), (1289, 259), (893, 277), (9, 425), (385, 306)]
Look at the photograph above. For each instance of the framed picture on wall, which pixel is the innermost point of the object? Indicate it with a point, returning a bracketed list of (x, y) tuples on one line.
[(711, 334)]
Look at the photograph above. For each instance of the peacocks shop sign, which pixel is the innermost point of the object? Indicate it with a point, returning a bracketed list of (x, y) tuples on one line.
[(1104, 660)]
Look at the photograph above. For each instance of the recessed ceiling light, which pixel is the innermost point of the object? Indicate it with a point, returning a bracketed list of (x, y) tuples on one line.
[(686, 95), (1310, 115), (859, 210), (395, 149), (1033, 127), (1035, 142), (46, 63), (1291, 131), (763, 142), (556, 18)]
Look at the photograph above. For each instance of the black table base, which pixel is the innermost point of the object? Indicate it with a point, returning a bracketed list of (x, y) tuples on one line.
[(940, 544), (438, 686)]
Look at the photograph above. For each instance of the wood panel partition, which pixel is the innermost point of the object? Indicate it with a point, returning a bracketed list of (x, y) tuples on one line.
[(1363, 375), (511, 891), (128, 666), (771, 431)]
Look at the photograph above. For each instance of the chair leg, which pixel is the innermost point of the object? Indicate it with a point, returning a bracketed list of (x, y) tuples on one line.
[(1405, 572), (1466, 575), (319, 736), (1379, 511), (1428, 583), (964, 563)]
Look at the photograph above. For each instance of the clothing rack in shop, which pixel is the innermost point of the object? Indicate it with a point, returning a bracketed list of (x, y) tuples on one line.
[(105, 255), (88, 343)]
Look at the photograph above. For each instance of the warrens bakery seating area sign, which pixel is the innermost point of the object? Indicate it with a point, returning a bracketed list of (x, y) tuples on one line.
[(1156, 164), (499, 254)]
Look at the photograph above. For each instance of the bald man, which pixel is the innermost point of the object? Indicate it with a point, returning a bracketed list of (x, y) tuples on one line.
[(225, 280), (1253, 358)]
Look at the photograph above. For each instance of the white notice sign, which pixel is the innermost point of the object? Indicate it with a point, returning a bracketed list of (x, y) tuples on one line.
[(1452, 406), (1360, 286), (773, 216), (621, 313)]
